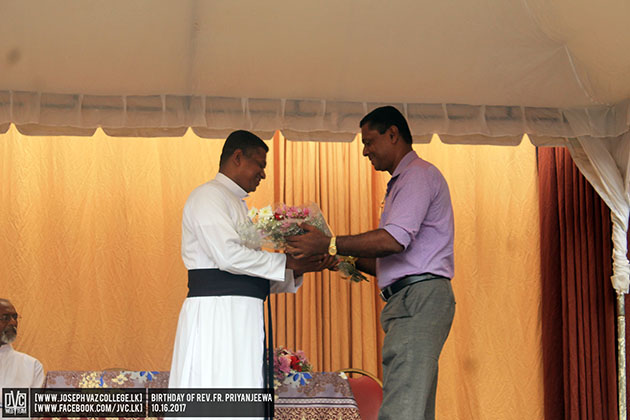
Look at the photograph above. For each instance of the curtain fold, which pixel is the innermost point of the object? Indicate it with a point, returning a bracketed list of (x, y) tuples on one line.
[(604, 163), (578, 302), (335, 321)]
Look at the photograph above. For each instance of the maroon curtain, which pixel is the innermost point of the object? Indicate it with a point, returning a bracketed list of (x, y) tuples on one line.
[(578, 301)]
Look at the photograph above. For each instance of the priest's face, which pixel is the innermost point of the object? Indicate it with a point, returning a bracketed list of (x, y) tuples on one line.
[(8, 322), (252, 169)]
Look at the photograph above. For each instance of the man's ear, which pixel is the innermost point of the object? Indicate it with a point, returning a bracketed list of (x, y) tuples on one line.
[(394, 134), (237, 157)]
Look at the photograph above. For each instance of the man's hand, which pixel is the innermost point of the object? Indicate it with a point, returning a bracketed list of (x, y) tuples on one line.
[(311, 243), (311, 264)]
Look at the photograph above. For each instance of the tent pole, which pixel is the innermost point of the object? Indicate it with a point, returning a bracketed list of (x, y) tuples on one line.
[(621, 355)]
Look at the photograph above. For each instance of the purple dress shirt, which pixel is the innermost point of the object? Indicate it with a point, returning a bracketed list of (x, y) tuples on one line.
[(419, 215)]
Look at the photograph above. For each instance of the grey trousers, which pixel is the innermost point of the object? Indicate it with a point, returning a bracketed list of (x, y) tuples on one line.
[(416, 321)]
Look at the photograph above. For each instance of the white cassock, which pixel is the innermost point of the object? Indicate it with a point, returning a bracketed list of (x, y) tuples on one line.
[(18, 370), (220, 339)]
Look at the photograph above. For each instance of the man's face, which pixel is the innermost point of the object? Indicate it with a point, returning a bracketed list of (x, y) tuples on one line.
[(377, 147), (252, 169), (8, 323)]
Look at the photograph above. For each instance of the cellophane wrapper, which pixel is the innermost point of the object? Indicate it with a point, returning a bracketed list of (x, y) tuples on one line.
[(270, 226)]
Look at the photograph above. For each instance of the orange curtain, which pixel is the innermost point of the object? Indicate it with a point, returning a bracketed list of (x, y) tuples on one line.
[(491, 365), (90, 238)]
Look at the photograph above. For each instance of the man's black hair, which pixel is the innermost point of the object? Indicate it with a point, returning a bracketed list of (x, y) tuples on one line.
[(382, 118), (244, 140)]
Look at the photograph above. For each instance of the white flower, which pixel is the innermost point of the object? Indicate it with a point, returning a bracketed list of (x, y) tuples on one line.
[(266, 212), (252, 213)]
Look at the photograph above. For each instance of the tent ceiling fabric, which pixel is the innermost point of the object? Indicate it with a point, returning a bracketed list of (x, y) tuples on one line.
[(490, 67)]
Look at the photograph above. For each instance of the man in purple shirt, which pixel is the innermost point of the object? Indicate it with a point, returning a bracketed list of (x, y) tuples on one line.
[(411, 254)]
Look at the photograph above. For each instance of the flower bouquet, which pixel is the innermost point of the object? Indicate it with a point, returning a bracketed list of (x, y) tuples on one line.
[(269, 228), (290, 366)]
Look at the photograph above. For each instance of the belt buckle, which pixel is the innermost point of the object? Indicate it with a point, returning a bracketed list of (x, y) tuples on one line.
[(383, 294)]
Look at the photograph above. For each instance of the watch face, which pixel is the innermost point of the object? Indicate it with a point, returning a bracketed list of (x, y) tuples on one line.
[(332, 248)]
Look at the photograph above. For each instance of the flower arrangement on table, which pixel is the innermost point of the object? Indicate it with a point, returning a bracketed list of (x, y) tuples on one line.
[(290, 366), (269, 228)]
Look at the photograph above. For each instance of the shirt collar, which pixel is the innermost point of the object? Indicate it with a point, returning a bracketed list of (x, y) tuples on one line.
[(231, 185), (404, 162), (5, 348)]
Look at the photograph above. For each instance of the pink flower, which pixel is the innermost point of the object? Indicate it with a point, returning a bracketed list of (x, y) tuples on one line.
[(284, 365)]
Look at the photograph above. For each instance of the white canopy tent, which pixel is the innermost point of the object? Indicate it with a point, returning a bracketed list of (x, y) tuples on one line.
[(492, 68), (482, 72)]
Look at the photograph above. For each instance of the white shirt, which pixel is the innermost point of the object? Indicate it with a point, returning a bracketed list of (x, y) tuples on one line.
[(19, 370), (210, 239)]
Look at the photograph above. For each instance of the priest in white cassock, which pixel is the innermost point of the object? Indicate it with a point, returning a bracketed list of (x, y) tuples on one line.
[(220, 333), (17, 370)]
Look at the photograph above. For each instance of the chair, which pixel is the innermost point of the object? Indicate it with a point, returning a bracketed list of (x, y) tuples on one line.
[(368, 392)]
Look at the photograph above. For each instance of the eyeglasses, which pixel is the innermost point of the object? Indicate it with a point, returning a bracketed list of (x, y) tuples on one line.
[(9, 317)]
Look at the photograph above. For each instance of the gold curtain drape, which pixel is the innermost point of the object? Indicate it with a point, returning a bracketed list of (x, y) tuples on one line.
[(90, 238)]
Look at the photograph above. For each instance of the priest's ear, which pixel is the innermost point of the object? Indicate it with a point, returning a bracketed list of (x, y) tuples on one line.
[(237, 157)]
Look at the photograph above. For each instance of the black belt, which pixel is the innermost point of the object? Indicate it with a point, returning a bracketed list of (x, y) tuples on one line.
[(214, 282), (398, 285)]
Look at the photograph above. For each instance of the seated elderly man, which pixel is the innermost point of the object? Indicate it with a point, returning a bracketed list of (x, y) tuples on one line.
[(17, 370)]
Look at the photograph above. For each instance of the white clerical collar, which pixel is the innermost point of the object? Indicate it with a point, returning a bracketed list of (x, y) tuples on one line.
[(231, 185), (5, 348)]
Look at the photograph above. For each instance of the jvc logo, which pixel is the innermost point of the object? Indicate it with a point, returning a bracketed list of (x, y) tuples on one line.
[(15, 402)]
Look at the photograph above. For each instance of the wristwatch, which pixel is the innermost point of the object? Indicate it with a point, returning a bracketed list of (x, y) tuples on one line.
[(332, 248)]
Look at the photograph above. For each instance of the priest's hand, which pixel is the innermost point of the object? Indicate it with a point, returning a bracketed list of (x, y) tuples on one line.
[(312, 242), (311, 264)]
